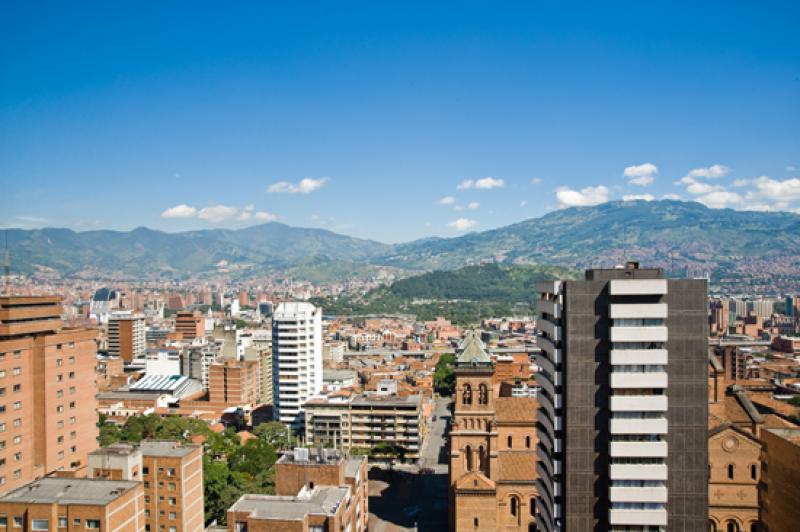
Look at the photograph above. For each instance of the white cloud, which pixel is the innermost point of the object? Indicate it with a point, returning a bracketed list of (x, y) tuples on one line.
[(713, 171), (484, 183), (642, 174), (217, 213), (634, 197), (536, 181), (720, 199), (447, 200), (179, 211), (568, 197), (304, 186), (671, 197), (263, 216), (784, 191), (462, 224), (741, 182), (473, 205), (31, 219)]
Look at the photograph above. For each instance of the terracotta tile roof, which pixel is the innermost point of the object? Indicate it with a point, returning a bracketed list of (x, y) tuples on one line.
[(517, 465), (516, 409)]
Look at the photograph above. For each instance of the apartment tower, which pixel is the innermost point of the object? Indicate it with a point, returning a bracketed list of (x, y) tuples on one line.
[(296, 359), (126, 335), (622, 428), (48, 409)]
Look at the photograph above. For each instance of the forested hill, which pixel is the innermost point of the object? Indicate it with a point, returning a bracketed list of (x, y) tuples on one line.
[(487, 290)]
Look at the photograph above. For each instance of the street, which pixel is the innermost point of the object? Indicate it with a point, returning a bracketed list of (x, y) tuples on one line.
[(401, 498)]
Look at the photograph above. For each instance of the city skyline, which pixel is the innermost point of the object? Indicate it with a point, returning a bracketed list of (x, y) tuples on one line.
[(454, 120)]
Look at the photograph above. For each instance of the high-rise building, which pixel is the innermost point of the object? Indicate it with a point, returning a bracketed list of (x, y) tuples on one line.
[(126, 335), (190, 325), (48, 408), (623, 418), (780, 473), (296, 359), (234, 382), (172, 476)]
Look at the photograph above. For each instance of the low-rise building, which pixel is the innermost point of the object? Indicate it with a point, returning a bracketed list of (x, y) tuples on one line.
[(778, 493), (312, 489), (365, 421), (53, 503)]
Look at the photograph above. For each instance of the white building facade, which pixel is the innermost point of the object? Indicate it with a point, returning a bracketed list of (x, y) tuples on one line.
[(296, 359)]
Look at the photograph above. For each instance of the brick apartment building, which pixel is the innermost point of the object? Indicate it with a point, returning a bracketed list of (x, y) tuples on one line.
[(190, 325), (48, 409), (74, 504), (126, 335), (171, 474), (313, 491)]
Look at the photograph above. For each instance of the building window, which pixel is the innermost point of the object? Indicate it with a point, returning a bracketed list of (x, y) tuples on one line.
[(3, 521), (173, 515), (18, 521), (17, 388), (40, 524), (71, 374), (509, 442), (72, 404), (533, 507), (92, 523), (59, 362), (171, 472), (17, 354), (475, 522), (528, 442), (59, 409), (483, 394), (18, 422), (514, 505), (730, 471), (17, 441), (733, 526), (71, 360), (76, 521), (59, 394), (468, 457), (2, 373), (145, 471), (17, 405), (17, 456), (16, 371), (17, 474), (467, 395), (62, 522), (2, 427), (753, 471)]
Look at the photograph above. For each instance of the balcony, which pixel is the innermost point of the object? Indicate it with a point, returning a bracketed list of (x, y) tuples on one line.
[(638, 403), (655, 379), (638, 426), (547, 345), (621, 357), (638, 494), (638, 449), (552, 330), (639, 334), (552, 308), (638, 472), (619, 311), (637, 287), (638, 517)]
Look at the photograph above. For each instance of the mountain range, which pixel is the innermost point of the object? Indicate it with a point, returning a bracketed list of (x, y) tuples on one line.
[(682, 237)]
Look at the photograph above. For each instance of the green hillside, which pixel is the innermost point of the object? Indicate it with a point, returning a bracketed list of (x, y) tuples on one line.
[(464, 295)]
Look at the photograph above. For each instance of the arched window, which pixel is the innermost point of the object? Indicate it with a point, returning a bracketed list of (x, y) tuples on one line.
[(509, 442), (531, 527), (732, 526), (730, 477), (533, 507), (528, 442), (483, 394), (754, 527), (514, 504), (468, 456), (712, 526), (475, 522), (467, 395), (514, 510), (482, 459), (753, 471)]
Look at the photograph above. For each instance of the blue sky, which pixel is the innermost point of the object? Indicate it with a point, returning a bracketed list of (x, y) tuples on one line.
[(365, 118)]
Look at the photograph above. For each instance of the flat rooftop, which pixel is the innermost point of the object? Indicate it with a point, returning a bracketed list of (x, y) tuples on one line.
[(387, 400), (161, 448), (324, 500), (792, 435), (311, 457), (65, 491)]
